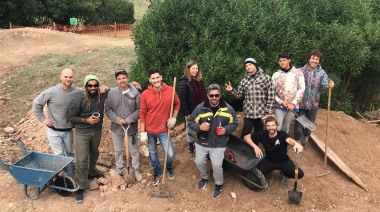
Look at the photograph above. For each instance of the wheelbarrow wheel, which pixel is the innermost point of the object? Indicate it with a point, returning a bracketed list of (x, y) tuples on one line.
[(256, 176), (60, 181)]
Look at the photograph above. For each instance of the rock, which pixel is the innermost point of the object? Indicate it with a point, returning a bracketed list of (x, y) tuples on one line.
[(144, 151), (9, 130), (117, 181), (102, 194), (144, 181), (233, 195), (180, 127), (103, 181), (122, 187), (102, 169), (93, 185), (102, 188)]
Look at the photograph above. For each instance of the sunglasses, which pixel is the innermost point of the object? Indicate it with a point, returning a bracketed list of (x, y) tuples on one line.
[(92, 86), (214, 95)]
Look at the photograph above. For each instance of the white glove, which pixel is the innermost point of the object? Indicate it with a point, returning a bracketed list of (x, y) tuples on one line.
[(330, 84), (171, 122), (144, 138)]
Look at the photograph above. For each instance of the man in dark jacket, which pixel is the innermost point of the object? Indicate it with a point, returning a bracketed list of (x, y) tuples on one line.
[(213, 120), (86, 112)]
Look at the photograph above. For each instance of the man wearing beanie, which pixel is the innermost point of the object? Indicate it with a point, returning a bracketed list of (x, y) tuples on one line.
[(258, 92), (86, 113)]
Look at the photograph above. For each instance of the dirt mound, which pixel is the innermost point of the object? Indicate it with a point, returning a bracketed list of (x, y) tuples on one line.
[(356, 143), (25, 43)]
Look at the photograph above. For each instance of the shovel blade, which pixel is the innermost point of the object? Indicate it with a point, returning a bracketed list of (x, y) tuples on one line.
[(129, 176), (295, 197), (306, 123)]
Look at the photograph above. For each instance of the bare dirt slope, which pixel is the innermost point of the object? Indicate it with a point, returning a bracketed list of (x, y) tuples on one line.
[(357, 144)]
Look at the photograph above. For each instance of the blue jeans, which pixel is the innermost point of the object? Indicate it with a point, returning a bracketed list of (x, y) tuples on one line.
[(61, 144), (299, 131), (153, 156)]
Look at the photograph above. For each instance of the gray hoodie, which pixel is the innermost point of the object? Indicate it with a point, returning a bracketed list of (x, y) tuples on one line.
[(123, 106)]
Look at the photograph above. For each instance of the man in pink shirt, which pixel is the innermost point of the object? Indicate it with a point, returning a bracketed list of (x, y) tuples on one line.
[(155, 119)]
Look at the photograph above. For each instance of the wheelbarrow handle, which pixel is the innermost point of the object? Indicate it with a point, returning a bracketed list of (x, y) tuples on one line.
[(20, 145)]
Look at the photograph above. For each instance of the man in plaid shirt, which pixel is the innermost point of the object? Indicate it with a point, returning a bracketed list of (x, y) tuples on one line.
[(258, 92)]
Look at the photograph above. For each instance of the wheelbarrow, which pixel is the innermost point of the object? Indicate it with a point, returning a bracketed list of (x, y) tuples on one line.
[(245, 164), (40, 171)]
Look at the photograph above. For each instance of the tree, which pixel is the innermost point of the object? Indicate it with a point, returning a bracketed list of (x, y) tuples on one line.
[(221, 34)]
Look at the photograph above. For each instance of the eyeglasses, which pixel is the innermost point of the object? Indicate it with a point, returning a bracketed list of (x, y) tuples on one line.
[(92, 86), (214, 95)]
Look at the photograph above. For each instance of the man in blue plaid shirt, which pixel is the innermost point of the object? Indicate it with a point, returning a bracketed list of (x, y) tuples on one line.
[(258, 92)]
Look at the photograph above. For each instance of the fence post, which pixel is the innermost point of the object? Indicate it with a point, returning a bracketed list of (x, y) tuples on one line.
[(54, 25), (114, 30), (10, 25)]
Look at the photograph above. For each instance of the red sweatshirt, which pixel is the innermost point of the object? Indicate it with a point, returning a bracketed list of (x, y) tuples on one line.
[(155, 108)]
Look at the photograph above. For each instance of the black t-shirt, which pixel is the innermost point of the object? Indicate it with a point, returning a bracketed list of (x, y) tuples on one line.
[(276, 148)]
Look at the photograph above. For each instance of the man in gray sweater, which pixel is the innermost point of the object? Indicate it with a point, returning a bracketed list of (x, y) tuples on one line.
[(122, 108), (58, 127), (86, 112)]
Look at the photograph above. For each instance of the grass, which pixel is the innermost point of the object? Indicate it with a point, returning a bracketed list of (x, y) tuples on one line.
[(44, 72)]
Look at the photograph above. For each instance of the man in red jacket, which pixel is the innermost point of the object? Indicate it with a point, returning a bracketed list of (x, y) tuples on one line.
[(155, 119)]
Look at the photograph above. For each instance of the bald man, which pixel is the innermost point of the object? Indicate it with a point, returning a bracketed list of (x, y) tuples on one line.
[(58, 128)]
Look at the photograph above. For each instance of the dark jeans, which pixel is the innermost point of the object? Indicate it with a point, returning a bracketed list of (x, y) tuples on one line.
[(256, 124), (287, 167), (300, 131)]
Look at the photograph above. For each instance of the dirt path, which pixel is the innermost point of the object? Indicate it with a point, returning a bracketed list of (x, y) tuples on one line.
[(355, 142)]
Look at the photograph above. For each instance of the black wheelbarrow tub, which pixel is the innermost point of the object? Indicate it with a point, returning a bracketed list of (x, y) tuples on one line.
[(37, 169), (244, 154)]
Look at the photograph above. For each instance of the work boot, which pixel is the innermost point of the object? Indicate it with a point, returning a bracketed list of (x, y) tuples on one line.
[(284, 180), (269, 177), (191, 147), (97, 176), (305, 142), (138, 176), (217, 191), (79, 196)]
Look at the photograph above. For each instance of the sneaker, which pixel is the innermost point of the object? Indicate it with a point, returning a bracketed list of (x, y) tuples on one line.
[(202, 183), (217, 191), (170, 174), (138, 176), (191, 147), (305, 142), (284, 180), (79, 196), (156, 178), (269, 176), (97, 176), (120, 171)]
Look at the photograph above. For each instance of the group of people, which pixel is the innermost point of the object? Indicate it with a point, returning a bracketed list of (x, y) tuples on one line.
[(209, 119)]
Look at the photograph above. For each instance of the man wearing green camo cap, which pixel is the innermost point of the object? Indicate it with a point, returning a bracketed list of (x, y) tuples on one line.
[(86, 113)]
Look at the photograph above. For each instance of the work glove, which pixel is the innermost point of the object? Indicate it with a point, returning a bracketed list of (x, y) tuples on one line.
[(144, 138), (171, 122), (330, 84)]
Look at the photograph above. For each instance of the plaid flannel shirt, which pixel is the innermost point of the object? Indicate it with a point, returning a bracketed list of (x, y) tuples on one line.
[(258, 92)]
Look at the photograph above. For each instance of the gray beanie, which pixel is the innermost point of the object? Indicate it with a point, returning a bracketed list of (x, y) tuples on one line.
[(250, 60)]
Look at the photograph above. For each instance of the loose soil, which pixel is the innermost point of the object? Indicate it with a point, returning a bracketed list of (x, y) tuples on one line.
[(356, 143)]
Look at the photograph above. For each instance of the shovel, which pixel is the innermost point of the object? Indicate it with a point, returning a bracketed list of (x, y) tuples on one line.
[(294, 195), (128, 175), (305, 122)]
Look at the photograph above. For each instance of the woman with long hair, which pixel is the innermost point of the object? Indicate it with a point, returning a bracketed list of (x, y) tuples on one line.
[(191, 91)]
